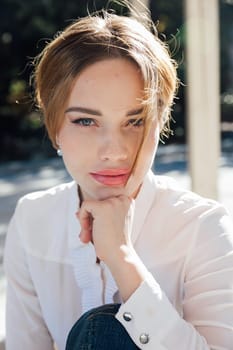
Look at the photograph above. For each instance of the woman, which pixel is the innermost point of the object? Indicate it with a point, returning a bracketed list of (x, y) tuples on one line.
[(146, 264)]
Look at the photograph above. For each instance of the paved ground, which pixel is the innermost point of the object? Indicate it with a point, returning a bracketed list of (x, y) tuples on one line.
[(19, 178)]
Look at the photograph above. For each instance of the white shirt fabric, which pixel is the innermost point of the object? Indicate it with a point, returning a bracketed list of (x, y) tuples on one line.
[(184, 240)]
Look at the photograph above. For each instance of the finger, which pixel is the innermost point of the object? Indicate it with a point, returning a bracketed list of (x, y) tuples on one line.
[(85, 219), (85, 236)]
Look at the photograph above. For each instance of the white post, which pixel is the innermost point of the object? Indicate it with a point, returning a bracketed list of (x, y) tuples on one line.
[(202, 18)]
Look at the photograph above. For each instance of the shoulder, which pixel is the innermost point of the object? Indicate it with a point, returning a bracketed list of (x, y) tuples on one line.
[(41, 219), (43, 209), (175, 207), (176, 198), (184, 216), (54, 196)]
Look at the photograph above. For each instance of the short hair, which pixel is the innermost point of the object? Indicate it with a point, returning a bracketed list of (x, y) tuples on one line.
[(98, 37)]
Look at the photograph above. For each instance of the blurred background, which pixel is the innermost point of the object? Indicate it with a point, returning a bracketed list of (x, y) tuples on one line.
[(27, 160), (26, 26)]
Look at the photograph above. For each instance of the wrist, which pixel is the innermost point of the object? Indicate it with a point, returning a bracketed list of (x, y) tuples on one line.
[(127, 269), (124, 254)]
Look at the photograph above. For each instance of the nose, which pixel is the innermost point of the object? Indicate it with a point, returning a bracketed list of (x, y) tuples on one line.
[(113, 147)]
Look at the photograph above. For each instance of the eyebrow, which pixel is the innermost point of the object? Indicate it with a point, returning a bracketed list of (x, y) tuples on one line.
[(96, 112)]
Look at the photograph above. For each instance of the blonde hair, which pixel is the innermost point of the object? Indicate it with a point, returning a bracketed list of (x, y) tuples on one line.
[(97, 37)]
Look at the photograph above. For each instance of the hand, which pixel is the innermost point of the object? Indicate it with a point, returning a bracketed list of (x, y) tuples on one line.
[(108, 224)]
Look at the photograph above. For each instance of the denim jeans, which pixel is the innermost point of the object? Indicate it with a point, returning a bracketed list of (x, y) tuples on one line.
[(98, 329)]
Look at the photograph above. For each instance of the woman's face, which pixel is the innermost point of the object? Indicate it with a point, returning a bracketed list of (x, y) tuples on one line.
[(103, 129)]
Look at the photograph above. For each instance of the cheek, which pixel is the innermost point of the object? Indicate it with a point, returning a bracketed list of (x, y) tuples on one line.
[(135, 140), (73, 140)]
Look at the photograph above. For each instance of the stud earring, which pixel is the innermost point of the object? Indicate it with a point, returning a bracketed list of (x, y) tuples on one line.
[(59, 152)]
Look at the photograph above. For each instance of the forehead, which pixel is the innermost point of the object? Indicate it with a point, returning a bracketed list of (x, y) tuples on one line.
[(116, 83)]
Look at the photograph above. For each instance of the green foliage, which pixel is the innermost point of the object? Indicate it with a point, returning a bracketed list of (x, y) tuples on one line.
[(26, 25)]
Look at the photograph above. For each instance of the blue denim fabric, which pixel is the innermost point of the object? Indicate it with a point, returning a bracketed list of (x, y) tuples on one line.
[(98, 329)]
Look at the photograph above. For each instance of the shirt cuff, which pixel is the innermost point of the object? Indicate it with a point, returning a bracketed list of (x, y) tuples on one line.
[(148, 315)]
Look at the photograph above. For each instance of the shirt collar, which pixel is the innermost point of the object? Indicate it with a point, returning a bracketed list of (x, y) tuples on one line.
[(143, 203)]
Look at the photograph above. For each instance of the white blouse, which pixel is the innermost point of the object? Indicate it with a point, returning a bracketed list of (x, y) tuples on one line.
[(184, 240)]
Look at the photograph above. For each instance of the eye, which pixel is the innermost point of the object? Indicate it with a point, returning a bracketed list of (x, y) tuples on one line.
[(136, 122), (84, 122)]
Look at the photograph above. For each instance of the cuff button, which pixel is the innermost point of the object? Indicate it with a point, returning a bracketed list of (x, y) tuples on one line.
[(144, 338), (127, 316)]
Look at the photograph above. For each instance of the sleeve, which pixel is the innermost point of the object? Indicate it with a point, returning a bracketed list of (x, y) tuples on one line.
[(207, 321), (25, 328)]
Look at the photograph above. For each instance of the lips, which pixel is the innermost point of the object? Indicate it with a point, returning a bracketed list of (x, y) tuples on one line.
[(111, 177)]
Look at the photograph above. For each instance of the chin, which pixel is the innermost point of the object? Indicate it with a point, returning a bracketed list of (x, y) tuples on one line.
[(105, 193), (110, 192)]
